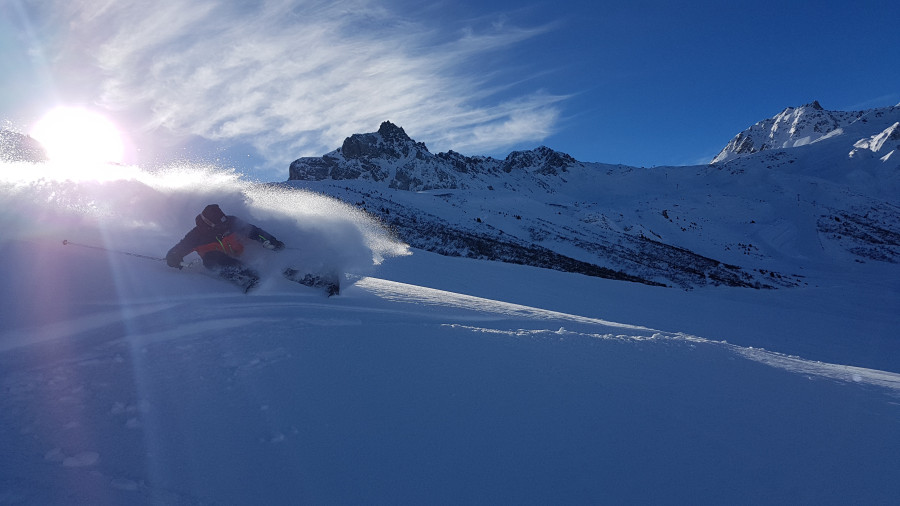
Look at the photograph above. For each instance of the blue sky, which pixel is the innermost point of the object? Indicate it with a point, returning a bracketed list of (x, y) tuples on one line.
[(257, 84)]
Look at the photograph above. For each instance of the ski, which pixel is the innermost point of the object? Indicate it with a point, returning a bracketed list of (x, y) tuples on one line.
[(243, 278), (330, 283)]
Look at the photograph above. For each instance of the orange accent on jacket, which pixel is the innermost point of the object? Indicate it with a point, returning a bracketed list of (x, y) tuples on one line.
[(230, 245)]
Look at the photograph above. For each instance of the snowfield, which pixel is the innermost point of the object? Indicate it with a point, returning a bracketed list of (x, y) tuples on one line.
[(429, 380)]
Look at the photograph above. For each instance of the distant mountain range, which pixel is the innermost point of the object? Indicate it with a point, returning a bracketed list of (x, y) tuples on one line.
[(797, 195)]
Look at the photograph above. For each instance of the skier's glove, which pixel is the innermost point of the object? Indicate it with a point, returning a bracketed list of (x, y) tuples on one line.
[(173, 261), (274, 245)]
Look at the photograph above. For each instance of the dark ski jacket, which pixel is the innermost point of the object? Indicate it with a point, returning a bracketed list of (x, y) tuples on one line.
[(224, 237)]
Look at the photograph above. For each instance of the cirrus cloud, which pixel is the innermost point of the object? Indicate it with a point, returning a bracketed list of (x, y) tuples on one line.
[(293, 78)]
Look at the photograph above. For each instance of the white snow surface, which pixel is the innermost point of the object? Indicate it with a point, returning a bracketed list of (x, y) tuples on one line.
[(429, 380)]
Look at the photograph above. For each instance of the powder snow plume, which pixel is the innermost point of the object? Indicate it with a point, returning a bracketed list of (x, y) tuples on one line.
[(146, 212)]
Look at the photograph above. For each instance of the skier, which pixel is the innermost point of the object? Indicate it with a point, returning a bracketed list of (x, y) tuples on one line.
[(217, 239)]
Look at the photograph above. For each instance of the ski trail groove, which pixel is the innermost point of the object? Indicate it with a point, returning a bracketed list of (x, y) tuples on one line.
[(403, 292)]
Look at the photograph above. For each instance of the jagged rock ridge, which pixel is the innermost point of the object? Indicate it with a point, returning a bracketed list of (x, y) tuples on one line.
[(390, 156)]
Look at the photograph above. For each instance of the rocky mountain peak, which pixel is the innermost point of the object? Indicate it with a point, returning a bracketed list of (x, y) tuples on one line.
[(542, 160), (389, 142), (815, 105), (389, 156), (393, 133), (793, 127)]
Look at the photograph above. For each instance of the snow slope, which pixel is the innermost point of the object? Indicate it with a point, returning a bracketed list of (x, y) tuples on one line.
[(430, 380)]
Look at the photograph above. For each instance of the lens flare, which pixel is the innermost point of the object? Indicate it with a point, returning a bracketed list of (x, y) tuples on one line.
[(80, 137)]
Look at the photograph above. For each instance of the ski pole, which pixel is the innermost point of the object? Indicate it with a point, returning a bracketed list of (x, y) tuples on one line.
[(67, 242)]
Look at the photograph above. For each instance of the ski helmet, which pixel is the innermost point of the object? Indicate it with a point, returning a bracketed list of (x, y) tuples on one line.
[(212, 216)]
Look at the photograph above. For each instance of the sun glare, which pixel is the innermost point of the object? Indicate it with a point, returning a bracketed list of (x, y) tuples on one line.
[(79, 136)]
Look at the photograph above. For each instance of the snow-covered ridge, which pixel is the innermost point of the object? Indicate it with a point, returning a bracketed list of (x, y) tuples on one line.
[(883, 144), (800, 126)]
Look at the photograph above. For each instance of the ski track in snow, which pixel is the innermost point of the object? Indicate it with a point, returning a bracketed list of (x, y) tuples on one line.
[(420, 295), (25, 337), (242, 311), (403, 292)]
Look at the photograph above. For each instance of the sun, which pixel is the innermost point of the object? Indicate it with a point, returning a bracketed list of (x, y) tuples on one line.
[(79, 136)]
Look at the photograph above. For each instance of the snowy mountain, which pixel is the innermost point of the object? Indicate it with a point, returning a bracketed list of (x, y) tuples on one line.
[(818, 193), (799, 126)]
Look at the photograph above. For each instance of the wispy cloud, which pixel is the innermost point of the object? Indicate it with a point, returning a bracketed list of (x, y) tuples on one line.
[(295, 77)]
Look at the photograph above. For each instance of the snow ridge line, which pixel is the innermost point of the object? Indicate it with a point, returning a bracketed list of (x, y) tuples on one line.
[(403, 292), (843, 373), (793, 364)]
